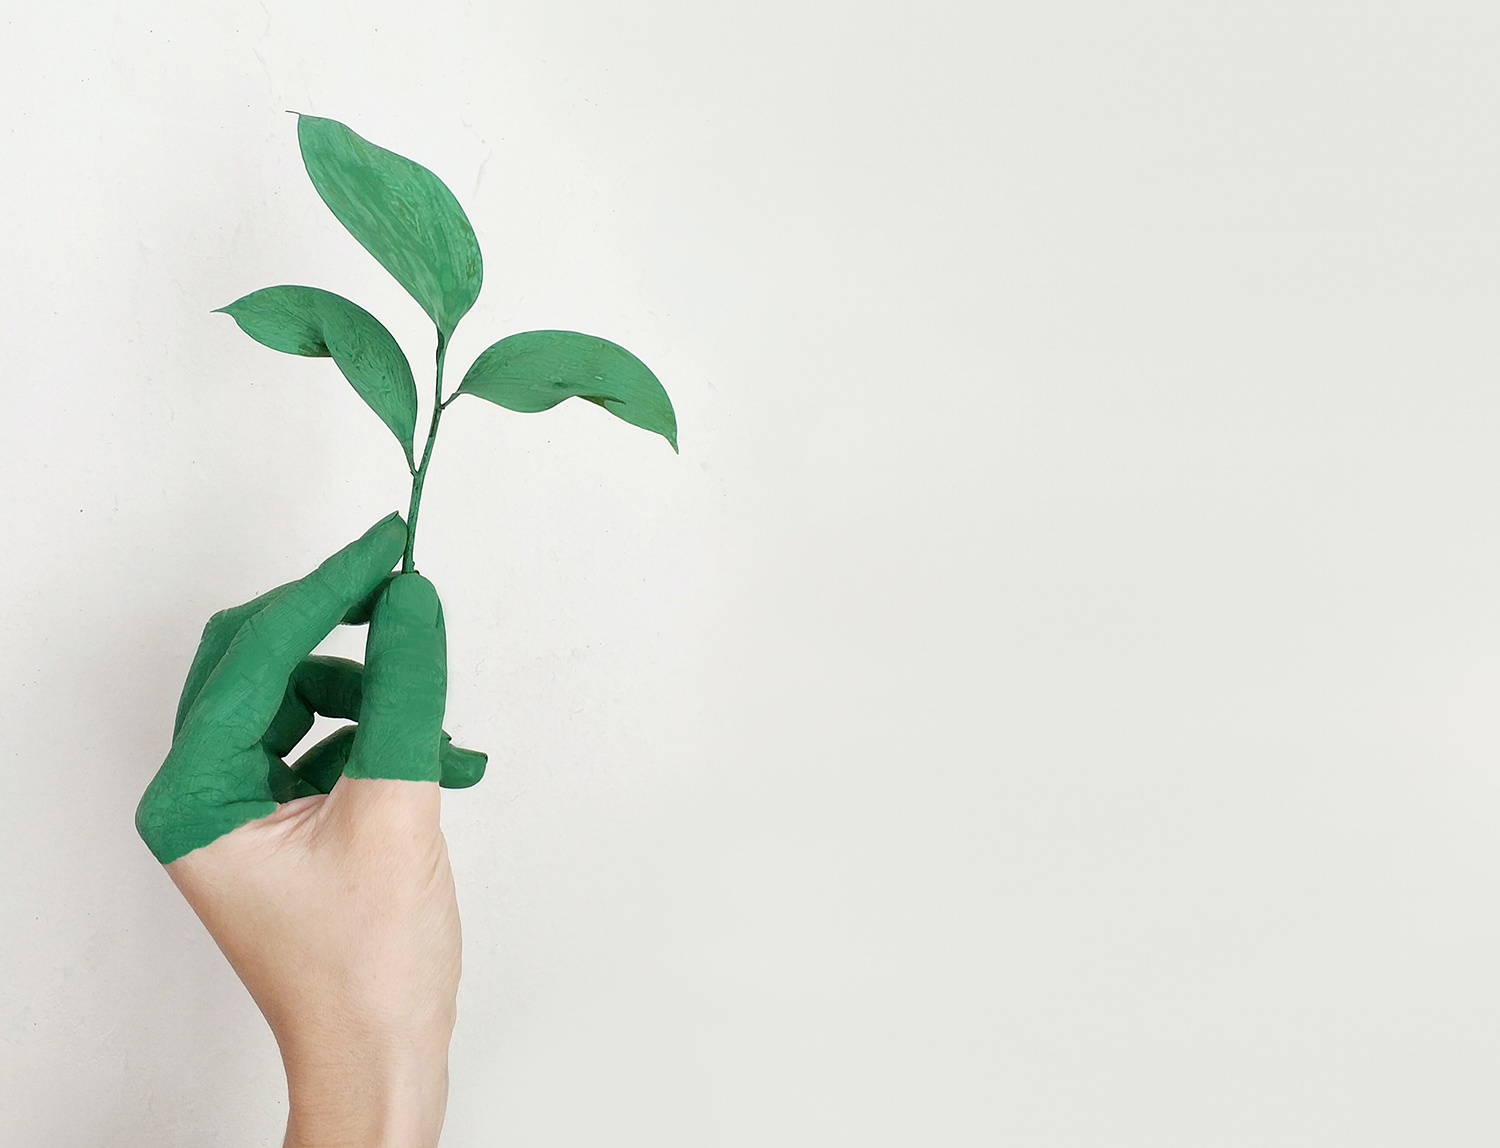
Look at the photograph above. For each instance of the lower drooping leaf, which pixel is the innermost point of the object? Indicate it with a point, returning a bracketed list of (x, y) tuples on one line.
[(536, 370), (314, 322)]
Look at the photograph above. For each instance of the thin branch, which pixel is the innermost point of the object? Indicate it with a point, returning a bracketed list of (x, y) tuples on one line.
[(408, 564)]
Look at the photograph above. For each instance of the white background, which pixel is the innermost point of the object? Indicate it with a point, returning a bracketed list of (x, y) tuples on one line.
[(1050, 701)]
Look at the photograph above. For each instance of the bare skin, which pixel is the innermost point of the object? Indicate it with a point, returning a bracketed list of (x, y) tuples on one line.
[(338, 913)]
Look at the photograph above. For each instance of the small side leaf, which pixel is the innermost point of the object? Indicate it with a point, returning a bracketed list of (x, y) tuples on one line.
[(401, 213), (310, 321), (536, 370)]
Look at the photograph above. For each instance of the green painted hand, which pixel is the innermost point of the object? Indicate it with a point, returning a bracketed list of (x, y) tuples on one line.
[(253, 689)]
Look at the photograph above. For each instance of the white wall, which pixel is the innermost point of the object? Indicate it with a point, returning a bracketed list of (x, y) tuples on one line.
[(1050, 701)]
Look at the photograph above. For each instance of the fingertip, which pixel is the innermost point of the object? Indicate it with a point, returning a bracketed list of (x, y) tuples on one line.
[(461, 767), (358, 568), (412, 598), (389, 533)]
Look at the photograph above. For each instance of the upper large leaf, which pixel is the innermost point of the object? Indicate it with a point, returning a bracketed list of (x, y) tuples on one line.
[(310, 321), (536, 370), (401, 213)]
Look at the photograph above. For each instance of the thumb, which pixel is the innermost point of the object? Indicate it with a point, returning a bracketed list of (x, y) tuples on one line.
[(400, 732)]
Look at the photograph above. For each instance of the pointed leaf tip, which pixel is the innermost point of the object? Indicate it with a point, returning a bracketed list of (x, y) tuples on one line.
[(401, 213), (536, 370)]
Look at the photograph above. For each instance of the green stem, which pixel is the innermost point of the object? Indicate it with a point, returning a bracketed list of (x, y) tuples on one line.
[(420, 474)]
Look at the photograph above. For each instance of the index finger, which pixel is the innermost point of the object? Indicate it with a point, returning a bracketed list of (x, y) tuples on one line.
[(245, 689), (224, 625)]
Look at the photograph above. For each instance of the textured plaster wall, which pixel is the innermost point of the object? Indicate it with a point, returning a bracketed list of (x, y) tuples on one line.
[(1051, 701)]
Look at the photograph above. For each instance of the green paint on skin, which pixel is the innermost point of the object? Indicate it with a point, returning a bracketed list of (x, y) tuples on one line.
[(253, 689), (406, 683)]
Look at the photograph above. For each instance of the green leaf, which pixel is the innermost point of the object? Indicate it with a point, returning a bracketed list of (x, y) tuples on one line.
[(401, 213), (536, 370), (310, 321)]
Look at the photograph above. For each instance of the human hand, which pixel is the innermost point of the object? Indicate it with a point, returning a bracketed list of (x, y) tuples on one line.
[(327, 884)]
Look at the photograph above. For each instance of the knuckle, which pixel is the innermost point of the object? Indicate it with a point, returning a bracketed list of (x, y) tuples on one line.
[(217, 623)]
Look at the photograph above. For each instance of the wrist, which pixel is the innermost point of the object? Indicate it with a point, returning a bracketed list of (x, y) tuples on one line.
[(366, 1102)]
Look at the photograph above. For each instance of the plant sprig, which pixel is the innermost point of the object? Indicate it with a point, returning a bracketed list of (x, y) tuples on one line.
[(406, 217)]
